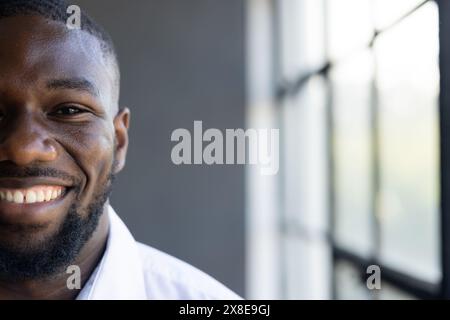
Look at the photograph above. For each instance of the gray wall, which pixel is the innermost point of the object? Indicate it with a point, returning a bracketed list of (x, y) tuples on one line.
[(181, 60)]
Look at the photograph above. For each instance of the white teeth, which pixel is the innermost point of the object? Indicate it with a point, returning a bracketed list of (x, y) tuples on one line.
[(18, 197), (48, 195), (30, 197), (40, 196)]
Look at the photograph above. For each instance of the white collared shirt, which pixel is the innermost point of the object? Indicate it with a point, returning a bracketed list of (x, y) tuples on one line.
[(131, 270)]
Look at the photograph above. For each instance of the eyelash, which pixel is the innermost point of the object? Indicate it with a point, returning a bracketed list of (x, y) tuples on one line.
[(68, 107), (60, 111)]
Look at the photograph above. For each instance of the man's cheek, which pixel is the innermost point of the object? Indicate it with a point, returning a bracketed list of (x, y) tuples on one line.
[(96, 161)]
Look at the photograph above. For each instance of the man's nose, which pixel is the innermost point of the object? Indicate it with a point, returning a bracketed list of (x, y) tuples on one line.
[(26, 143)]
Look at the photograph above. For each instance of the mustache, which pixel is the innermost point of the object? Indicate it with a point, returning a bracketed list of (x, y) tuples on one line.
[(36, 172)]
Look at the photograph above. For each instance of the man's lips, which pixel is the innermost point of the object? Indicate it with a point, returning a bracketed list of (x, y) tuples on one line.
[(21, 200)]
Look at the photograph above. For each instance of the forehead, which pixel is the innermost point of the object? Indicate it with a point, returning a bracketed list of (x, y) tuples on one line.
[(34, 50)]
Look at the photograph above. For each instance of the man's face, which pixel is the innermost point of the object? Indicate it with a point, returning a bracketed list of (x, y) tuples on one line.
[(61, 134)]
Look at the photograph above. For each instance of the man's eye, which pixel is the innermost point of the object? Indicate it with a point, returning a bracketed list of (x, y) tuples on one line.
[(69, 111)]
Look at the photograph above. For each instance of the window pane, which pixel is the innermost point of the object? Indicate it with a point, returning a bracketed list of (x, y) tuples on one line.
[(349, 27), (352, 83), (302, 36), (308, 270), (351, 285), (386, 12), (408, 83), (304, 147)]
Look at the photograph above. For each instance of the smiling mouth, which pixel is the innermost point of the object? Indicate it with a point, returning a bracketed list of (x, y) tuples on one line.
[(35, 194)]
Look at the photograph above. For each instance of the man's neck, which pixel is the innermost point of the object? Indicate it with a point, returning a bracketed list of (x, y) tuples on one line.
[(56, 287)]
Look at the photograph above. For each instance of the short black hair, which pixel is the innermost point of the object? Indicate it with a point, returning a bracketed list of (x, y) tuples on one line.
[(56, 10)]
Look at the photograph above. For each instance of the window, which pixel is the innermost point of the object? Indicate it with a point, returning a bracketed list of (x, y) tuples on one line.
[(358, 107)]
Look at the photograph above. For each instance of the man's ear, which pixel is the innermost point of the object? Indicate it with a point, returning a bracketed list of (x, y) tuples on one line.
[(121, 125)]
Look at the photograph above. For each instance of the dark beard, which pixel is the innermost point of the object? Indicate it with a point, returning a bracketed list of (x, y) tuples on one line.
[(58, 252)]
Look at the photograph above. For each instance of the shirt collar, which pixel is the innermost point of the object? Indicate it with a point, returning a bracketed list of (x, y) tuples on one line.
[(119, 274)]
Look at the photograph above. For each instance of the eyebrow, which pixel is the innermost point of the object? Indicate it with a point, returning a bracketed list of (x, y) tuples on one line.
[(79, 84)]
